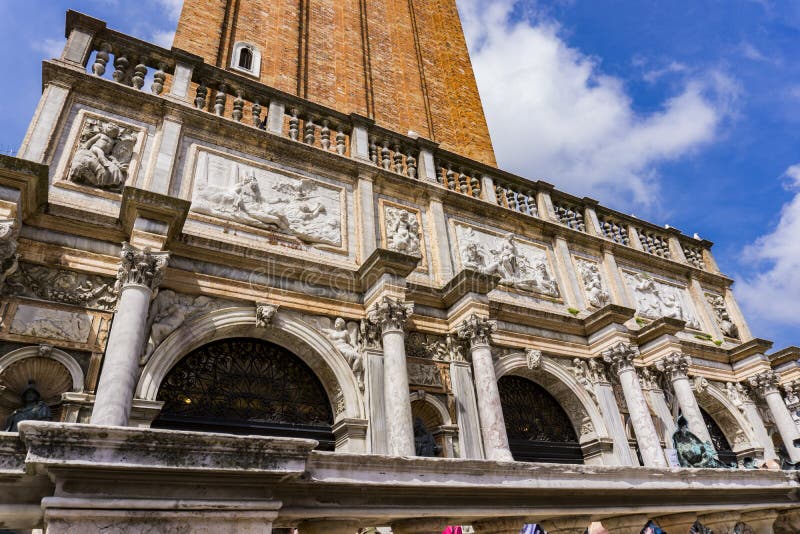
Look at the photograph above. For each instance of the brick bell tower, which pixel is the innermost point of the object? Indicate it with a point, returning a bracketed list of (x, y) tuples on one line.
[(402, 63)]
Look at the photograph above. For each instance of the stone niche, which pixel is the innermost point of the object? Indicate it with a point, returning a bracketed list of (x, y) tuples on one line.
[(249, 195)]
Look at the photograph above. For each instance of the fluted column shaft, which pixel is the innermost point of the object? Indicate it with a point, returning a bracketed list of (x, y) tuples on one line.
[(477, 332), (676, 367), (390, 316), (766, 384), (139, 276), (621, 357)]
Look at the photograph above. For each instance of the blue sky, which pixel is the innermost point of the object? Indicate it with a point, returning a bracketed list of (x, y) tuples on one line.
[(682, 112)]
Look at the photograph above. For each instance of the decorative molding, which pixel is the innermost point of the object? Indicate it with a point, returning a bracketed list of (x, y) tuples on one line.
[(621, 356), (141, 267), (61, 285), (476, 330)]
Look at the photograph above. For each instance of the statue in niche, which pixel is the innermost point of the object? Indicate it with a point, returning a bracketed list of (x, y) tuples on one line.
[(402, 231), (103, 156), (507, 261), (593, 284), (724, 320), (291, 208), (344, 341), (33, 409), (692, 452), (424, 444)]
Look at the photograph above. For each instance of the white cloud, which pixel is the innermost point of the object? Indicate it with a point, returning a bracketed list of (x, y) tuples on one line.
[(172, 8), (50, 48), (673, 67), (554, 115), (163, 38), (773, 294)]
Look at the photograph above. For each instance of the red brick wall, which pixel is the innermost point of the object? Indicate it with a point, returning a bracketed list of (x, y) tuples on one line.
[(420, 77)]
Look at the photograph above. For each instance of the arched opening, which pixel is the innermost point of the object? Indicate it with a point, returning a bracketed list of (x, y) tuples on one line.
[(428, 438), (246, 59), (246, 386), (538, 428), (718, 439)]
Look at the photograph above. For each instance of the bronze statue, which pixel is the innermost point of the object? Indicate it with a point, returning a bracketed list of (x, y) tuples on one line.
[(33, 409), (691, 451), (424, 443)]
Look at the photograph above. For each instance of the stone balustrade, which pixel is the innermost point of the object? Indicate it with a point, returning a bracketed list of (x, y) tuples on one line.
[(183, 77)]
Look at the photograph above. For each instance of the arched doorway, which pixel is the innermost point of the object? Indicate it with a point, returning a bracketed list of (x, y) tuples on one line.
[(718, 439), (538, 428), (246, 386)]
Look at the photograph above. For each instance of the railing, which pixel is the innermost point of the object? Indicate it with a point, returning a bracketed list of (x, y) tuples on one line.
[(238, 98)]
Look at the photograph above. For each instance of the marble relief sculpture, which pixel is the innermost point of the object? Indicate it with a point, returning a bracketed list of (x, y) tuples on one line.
[(345, 339), (655, 299), (255, 197), (103, 156), (596, 294), (402, 231), (8, 249), (61, 285), (520, 266), (724, 320)]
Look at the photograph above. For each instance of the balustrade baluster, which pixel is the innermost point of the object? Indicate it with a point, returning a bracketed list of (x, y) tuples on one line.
[(200, 97), (475, 186), (139, 74), (386, 160), (238, 106), (219, 99), (325, 135), (310, 136), (411, 165), (101, 59), (341, 146), (373, 152), (500, 195), (398, 160), (121, 66), (511, 199), (159, 78), (294, 125), (451, 178), (256, 111)]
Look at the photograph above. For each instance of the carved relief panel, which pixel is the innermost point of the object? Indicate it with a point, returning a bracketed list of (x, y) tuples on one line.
[(594, 286), (522, 265), (656, 298), (105, 153), (723, 318), (249, 195), (401, 230)]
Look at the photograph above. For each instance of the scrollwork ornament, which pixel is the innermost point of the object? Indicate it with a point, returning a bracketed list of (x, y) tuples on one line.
[(141, 267), (476, 330), (764, 382), (390, 314), (675, 365), (621, 356)]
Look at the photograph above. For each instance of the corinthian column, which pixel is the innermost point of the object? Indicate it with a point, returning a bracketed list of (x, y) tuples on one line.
[(477, 331), (390, 316), (140, 274), (676, 366), (621, 359), (766, 385)]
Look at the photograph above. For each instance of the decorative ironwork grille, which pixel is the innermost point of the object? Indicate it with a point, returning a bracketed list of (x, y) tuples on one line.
[(538, 428), (245, 385)]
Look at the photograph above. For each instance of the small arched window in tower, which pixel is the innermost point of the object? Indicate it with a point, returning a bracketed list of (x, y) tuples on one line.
[(246, 58)]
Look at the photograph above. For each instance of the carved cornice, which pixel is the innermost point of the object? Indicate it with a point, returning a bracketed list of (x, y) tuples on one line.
[(141, 267), (675, 365), (476, 330), (390, 314), (764, 383), (621, 357)]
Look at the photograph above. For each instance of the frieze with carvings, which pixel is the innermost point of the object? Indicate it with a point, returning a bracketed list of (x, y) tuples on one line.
[(433, 347), (726, 324), (656, 299), (402, 231), (428, 374), (520, 265), (253, 196), (104, 154), (596, 294), (61, 285)]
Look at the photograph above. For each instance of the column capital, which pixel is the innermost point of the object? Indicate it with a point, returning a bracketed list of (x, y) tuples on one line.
[(477, 330), (390, 314), (675, 365), (141, 267), (764, 383), (621, 356)]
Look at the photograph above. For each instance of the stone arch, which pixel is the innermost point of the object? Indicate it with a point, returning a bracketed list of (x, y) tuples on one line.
[(70, 365), (731, 421), (287, 329), (435, 403), (576, 401), (437, 419)]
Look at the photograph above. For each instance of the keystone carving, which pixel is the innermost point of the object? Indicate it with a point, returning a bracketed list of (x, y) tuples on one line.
[(533, 358), (477, 330), (141, 267), (620, 356), (675, 365), (265, 313)]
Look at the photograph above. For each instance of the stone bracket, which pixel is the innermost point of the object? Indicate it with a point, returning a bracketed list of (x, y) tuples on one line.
[(139, 205)]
